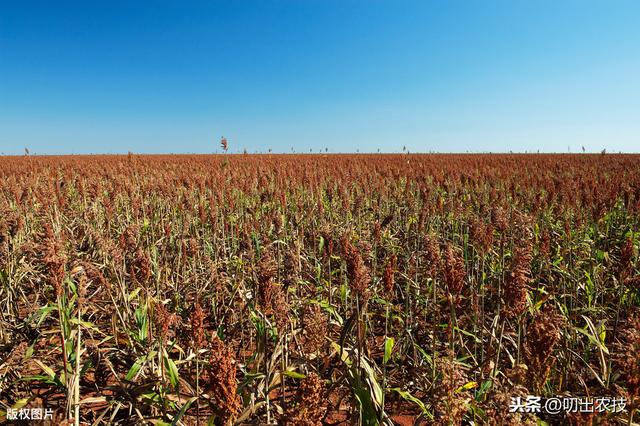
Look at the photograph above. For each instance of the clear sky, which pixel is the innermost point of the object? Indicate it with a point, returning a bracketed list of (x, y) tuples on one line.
[(431, 75)]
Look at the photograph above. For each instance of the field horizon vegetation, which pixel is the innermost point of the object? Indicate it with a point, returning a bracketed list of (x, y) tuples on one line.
[(311, 289)]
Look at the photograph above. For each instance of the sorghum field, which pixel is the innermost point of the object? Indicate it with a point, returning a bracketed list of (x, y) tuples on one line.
[(318, 289)]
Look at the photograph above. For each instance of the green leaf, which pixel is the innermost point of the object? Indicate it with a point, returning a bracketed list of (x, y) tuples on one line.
[(46, 368), (364, 386), (294, 374), (388, 349), (424, 354), (142, 322), (183, 410), (44, 379), (593, 339), (20, 403), (172, 369), (36, 377), (151, 397), (593, 334), (44, 313), (133, 294), (409, 397), (84, 324), (589, 288), (484, 387), (134, 369), (330, 309), (603, 333), (477, 411), (256, 243), (466, 333), (29, 353)]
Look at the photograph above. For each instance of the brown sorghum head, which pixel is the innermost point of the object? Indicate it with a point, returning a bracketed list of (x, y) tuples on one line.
[(271, 296), (453, 271), (626, 256), (54, 259), (633, 282), (197, 327), (628, 358), (499, 219), (516, 282), (540, 341), (432, 254), (481, 235), (221, 385), (140, 267), (450, 406), (388, 278), (164, 320), (306, 409), (357, 271), (314, 328)]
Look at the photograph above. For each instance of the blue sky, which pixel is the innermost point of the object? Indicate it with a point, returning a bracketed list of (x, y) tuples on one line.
[(446, 75)]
